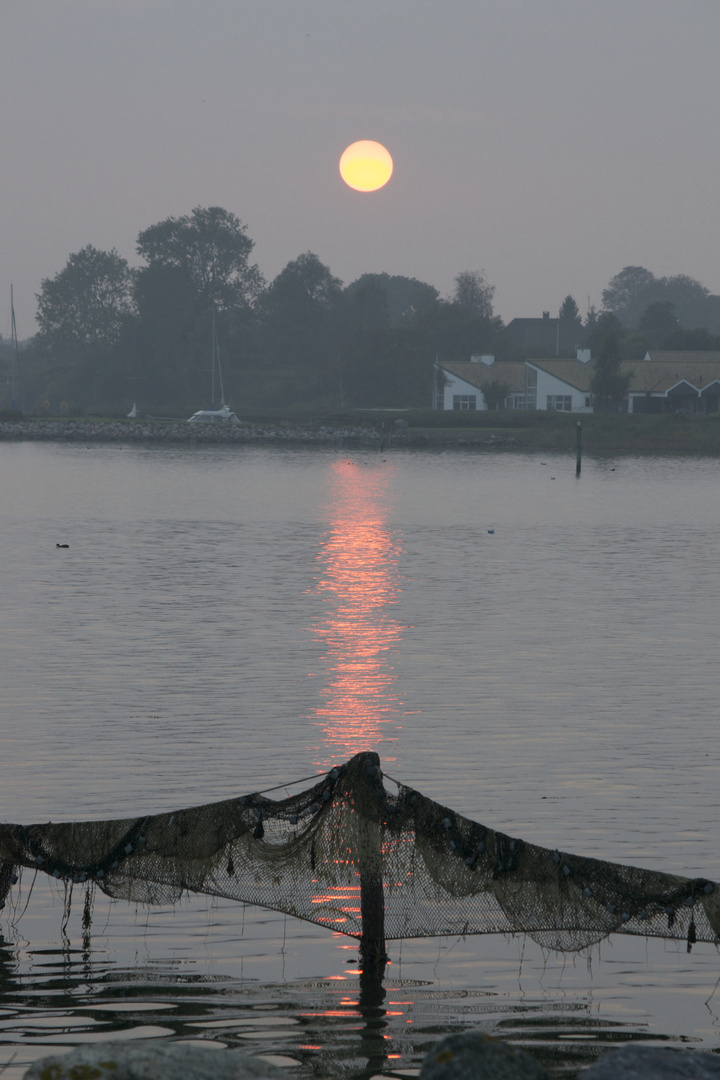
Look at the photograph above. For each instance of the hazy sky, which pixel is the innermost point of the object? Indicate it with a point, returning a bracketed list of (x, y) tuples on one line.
[(550, 142)]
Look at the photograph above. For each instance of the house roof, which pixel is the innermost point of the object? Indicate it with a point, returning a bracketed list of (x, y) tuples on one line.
[(658, 373), (571, 372), (480, 375), (661, 371), (672, 357)]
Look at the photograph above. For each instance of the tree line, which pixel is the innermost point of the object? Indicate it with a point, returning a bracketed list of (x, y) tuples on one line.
[(111, 334)]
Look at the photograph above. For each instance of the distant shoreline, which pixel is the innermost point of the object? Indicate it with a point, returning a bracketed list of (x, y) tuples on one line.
[(163, 431), (527, 432)]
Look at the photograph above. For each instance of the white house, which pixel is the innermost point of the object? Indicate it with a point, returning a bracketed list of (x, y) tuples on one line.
[(560, 385), (460, 385)]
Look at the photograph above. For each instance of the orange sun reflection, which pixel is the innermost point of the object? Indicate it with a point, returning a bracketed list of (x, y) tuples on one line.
[(358, 583)]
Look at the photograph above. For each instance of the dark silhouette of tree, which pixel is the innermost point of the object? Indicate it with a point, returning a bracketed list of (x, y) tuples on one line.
[(606, 325), (495, 392), (607, 383), (83, 315), (569, 311), (84, 307), (634, 289), (626, 294), (172, 344), (658, 320), (699, 340), (212, 248), (406, 298), (299, 316), (591, 318)]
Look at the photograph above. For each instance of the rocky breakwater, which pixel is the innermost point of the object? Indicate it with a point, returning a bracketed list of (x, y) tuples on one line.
[(182, 432)]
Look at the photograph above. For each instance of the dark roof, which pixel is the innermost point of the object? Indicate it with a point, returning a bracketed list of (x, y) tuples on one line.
[(545, 336)]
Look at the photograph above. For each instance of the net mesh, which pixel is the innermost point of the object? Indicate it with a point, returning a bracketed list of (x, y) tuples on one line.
[(349, 856)]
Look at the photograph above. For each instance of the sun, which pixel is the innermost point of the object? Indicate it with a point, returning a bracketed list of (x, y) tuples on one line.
[(366, 165)]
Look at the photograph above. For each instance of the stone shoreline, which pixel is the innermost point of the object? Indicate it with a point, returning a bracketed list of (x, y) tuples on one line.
[(163, 431)]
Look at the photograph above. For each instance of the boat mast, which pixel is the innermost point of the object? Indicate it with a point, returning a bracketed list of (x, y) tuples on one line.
[(216, 359), (222, 388), (212, 361), (15, 361)]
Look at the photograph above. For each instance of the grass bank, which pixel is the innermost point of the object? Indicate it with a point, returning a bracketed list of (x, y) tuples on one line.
[(601, 432)]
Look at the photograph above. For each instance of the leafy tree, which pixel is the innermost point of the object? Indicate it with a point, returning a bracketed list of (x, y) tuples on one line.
[(627, 293), (569, 311), (212, 248), (473, 292), (299, 315), (591, 318), (495, 392), (607, 383), (454, 332), (83, 315), (692, 340), (406, 298), (606, 324), (658, 320), (171, 340), (634, 289), (82, 309)]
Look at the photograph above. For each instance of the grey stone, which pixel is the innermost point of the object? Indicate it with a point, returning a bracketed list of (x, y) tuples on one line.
[(151, 1060), (475, 1055), (654, 1063)]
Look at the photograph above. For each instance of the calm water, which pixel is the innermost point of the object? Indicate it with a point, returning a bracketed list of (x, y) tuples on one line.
[(227, 619)]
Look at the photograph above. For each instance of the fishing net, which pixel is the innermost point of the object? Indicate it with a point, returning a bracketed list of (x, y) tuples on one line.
[(349, 856)]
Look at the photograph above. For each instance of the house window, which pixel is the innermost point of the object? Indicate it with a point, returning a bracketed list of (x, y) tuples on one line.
[(530, 388), (516, 401), (587, 402), (559, 402), (465, 401)]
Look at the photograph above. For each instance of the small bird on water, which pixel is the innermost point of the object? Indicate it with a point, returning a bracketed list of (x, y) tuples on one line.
[(62, 545)]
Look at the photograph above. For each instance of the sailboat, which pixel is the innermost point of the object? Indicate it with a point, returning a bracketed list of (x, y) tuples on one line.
[(211, 415)]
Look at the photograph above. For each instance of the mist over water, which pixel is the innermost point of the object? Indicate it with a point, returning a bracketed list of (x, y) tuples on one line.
[(228, 619)]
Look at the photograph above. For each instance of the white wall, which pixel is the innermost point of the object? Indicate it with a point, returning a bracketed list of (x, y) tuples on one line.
[(548, 384), (456, 385)]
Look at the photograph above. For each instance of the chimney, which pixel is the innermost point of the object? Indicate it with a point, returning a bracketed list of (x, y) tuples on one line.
[(583, 356), (487, 360), (546, 314)]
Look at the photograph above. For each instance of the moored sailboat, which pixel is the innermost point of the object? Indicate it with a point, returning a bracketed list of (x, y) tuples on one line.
[(208, 416)]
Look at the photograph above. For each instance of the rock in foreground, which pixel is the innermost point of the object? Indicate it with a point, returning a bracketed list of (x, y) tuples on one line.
[(654, 1063), (474, 1055), (156, 1060)]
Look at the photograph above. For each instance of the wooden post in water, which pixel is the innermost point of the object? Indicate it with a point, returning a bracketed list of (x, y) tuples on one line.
[(369, 796), (578, 462)]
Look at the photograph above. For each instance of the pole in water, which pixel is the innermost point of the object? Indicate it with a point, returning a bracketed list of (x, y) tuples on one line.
[(578, 463), (369, 799)]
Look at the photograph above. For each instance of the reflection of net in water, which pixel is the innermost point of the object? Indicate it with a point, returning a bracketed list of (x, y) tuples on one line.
[(349, 856)]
